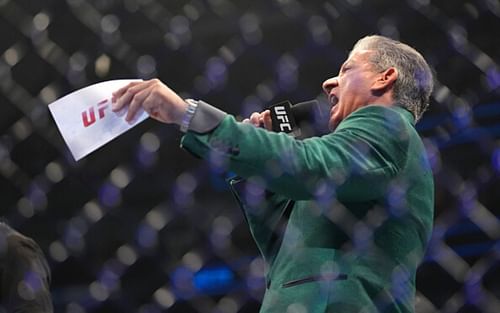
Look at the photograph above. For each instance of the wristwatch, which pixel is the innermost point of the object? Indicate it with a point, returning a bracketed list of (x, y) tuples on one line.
[(188, 115)]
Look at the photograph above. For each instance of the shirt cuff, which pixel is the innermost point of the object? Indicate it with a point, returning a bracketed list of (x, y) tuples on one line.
[(205, 118)]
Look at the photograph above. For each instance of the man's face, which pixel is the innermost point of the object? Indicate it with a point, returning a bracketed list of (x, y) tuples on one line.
[(352, 88)]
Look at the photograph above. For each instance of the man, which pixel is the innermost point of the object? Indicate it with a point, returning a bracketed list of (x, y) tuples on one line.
[(343, 219), (24, 274)]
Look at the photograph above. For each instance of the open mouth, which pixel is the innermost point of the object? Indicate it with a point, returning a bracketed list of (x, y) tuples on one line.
[(333, 99)]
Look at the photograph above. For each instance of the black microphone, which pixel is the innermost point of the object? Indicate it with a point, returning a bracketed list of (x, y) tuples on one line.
[(299, 120)]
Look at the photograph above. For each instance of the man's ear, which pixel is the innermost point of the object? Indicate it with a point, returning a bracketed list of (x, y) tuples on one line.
[(385, 79)]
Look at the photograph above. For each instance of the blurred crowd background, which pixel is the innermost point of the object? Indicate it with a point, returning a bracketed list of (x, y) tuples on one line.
[(142, 226)]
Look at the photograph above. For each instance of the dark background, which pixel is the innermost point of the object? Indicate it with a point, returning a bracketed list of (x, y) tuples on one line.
[(142, 226)]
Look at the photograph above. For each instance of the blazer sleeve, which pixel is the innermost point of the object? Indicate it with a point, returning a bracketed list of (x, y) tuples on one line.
[(358, 159)]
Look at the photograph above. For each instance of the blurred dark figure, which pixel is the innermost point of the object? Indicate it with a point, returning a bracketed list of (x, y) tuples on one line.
[(24, 274)]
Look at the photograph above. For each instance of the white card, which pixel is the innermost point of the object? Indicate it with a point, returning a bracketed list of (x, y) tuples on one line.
[(85, 118)]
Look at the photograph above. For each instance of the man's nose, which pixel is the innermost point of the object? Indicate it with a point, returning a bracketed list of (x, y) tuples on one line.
[(329, 84)]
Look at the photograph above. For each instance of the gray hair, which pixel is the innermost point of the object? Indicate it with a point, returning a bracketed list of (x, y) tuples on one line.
[(414, 84)]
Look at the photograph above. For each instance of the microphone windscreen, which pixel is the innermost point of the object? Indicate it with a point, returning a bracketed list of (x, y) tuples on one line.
[(306, 111), (301, 120), (310, 118)]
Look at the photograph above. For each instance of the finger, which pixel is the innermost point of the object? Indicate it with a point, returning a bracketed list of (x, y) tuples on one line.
[(136, 103), (148, 105), (118, 93), (246, 121), (127, 95), (268, 123), (255, 119)]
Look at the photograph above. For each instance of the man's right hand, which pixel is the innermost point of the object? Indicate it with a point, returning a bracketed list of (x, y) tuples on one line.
[(262, 119)]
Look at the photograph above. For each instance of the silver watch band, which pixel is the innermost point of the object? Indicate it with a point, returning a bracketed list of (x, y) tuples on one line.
[(188, 115)]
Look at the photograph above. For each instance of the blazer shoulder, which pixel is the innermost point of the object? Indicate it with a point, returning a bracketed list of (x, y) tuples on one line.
[(388, 130), (374, 116)]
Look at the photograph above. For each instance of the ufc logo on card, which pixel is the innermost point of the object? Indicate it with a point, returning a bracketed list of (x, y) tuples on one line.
[(85, 118), (88, 116)]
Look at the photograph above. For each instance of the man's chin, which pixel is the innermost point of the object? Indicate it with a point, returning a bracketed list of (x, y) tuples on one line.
[(332, 124), (334, 117)]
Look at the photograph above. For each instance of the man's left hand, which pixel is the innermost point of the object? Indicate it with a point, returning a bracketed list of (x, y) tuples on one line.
[(157, 99)]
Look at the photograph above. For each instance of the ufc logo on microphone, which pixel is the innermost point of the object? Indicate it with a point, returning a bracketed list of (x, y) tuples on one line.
[(89, 116), (282, 118)]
